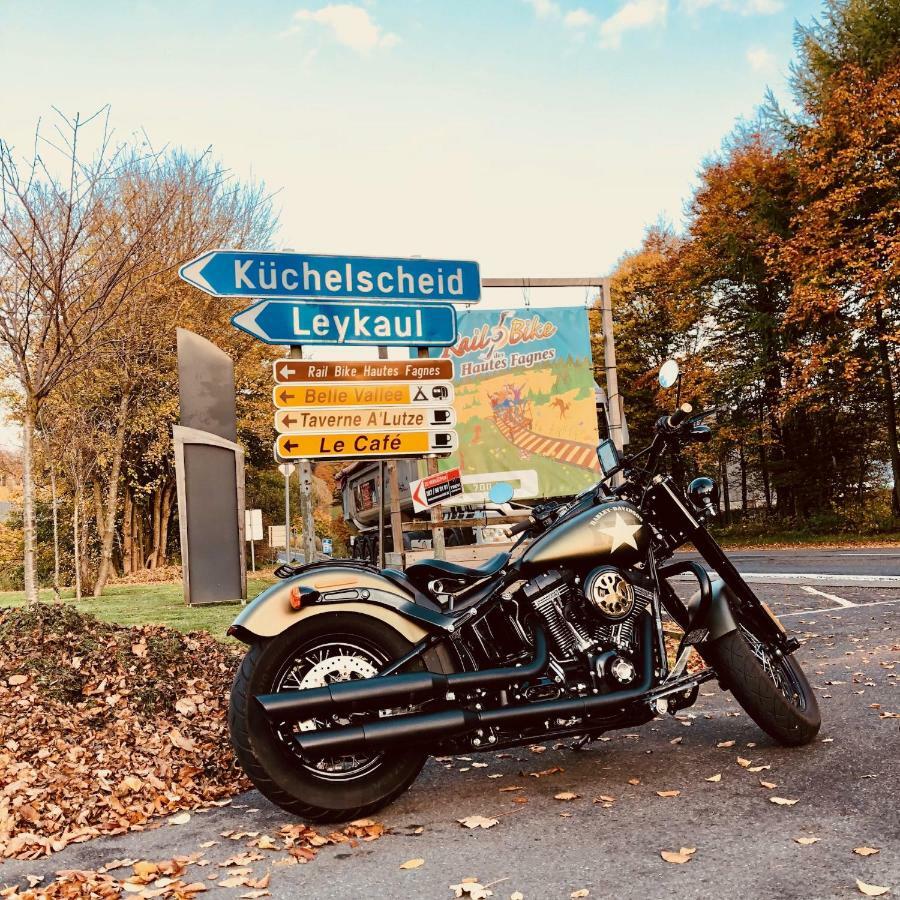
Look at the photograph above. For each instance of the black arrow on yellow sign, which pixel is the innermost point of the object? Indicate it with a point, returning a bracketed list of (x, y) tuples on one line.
[(289, 445), (284, 396)]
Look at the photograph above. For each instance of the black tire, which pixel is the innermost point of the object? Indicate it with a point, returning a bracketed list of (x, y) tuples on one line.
[(791, 722), (268, 756)]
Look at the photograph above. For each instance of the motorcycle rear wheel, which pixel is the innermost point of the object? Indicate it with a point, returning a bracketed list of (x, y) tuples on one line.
[(320, 650), (773, 690)]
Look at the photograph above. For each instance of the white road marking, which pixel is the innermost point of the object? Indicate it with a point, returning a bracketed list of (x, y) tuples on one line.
[(826, 579), (841, 601), (834, 609)]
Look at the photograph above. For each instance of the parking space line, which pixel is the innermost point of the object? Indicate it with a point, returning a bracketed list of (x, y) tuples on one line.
[(839, 600), (819, 611)]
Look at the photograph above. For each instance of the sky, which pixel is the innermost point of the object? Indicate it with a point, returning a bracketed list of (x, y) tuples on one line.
[(538, 137)]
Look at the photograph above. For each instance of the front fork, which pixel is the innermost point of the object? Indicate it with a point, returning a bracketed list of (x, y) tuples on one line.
[(756, 614)]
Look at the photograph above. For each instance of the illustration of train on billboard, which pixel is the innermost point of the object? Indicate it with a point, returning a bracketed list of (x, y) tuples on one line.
[(525, 401)]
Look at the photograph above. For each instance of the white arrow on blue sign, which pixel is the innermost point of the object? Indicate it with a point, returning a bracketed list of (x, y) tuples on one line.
[(363, 324), (249, 273)]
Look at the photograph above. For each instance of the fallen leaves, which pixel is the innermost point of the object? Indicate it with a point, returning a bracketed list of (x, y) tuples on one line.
[(566, 795), (725, 744), (478, 822), (412, 864), (744, 763), (716, 777), (87, 738), (866, 851), (180, 819), (782, 801), (678, 857), (668, 793), (806, 841), (768, 785), (871, 890), (472, 889)]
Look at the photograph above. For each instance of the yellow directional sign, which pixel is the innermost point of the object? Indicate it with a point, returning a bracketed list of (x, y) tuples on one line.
[(351, 445), (417, 393), (377, 418)]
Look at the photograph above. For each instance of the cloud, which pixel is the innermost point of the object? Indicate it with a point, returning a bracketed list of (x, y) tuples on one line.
[(350, 25), (742, 7), (633, 15), (578, 18), (760, 59), (544, 9)]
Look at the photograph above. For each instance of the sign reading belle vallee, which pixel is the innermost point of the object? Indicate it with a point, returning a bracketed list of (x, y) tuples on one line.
[(362, 324), (250, 273), (424, 393), (301, 371), (435, 489), (380, 418), (365, 443)]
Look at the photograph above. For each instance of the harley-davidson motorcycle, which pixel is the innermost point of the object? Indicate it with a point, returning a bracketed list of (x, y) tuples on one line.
[(354, 675)]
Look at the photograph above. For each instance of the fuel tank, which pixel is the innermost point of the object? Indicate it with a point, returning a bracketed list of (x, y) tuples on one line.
[(613, 533)]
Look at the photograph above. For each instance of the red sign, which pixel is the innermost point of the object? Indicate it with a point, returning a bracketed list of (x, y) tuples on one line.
[(435, 489)]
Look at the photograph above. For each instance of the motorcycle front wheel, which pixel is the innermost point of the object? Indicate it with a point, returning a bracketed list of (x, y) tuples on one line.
[(772, 689), (320, 650)]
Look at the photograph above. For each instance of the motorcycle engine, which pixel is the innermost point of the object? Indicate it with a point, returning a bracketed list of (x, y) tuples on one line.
[(585, 619)]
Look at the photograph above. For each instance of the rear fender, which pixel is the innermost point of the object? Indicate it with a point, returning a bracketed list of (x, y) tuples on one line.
[(339, 589)]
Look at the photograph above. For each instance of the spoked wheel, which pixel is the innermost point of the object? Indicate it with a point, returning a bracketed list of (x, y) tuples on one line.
[(772, 688), (321, 650)]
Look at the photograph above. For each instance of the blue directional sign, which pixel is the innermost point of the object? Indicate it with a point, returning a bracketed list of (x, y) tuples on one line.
[(248, 273), (362, 324)]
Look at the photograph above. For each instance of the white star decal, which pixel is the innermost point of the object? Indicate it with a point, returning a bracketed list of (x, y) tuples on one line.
[(622, 533)]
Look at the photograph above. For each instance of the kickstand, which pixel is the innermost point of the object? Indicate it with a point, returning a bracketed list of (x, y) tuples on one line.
[(579, 743)]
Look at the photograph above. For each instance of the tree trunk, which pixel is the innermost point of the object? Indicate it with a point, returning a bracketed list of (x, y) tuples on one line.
[(56, 594), (106, 520), (76, 538), (128, 562), (28, 533), (890, 408), (743, 461), (726, 491), (155, 523), (161, 532), (764, 469)]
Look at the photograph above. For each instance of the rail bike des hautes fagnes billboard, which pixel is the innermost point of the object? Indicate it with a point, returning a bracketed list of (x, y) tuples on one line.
[(525, 405)]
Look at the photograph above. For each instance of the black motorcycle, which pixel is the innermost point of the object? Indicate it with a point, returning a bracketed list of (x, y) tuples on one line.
[(354, 674)]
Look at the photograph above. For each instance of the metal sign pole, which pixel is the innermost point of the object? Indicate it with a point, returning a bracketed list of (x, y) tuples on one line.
[(438, 545)]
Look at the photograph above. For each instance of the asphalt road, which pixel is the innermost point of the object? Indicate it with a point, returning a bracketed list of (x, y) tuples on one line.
[(846, 785)]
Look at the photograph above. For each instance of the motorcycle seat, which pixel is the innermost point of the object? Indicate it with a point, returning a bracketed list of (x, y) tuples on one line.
[(421, 573)]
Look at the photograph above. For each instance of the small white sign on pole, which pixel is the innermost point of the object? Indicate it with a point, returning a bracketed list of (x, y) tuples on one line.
[(253, 525), (276, 536)]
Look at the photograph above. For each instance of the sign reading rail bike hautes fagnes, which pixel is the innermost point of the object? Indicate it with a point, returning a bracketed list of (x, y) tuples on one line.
[(524, 401)]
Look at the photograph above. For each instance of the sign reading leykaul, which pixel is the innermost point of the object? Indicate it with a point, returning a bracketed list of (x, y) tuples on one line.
[(435, 489), (359, 324), (250, 273)]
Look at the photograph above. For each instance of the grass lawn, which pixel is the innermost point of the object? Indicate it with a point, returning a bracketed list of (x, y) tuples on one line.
[(157, 604)]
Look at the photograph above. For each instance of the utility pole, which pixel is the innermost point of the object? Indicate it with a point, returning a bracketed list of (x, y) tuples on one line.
[(613, 400)]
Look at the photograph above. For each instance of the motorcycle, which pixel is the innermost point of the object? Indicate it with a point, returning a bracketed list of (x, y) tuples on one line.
[(354, 675)]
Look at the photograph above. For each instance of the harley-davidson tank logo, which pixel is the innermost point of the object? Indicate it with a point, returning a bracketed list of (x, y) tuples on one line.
[(620, 530)]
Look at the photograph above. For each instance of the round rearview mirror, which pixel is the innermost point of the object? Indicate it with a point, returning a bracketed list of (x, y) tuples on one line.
[(668, 373), (500, 492)]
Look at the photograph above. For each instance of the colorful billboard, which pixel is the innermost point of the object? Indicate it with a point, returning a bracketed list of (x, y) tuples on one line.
[(525, 406)]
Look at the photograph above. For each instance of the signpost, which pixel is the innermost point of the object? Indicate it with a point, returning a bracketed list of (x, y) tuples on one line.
[(300, 371), (253, 531), (380, 418), (251, 273), (420, 393), (435, 489), (357, 325), (361, 444)]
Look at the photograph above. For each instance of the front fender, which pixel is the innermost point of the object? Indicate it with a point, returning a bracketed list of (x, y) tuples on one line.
[(340, 588), (719, 619)]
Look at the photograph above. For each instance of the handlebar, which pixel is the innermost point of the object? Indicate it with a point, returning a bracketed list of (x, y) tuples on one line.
[(524, 525), (680, 415)]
